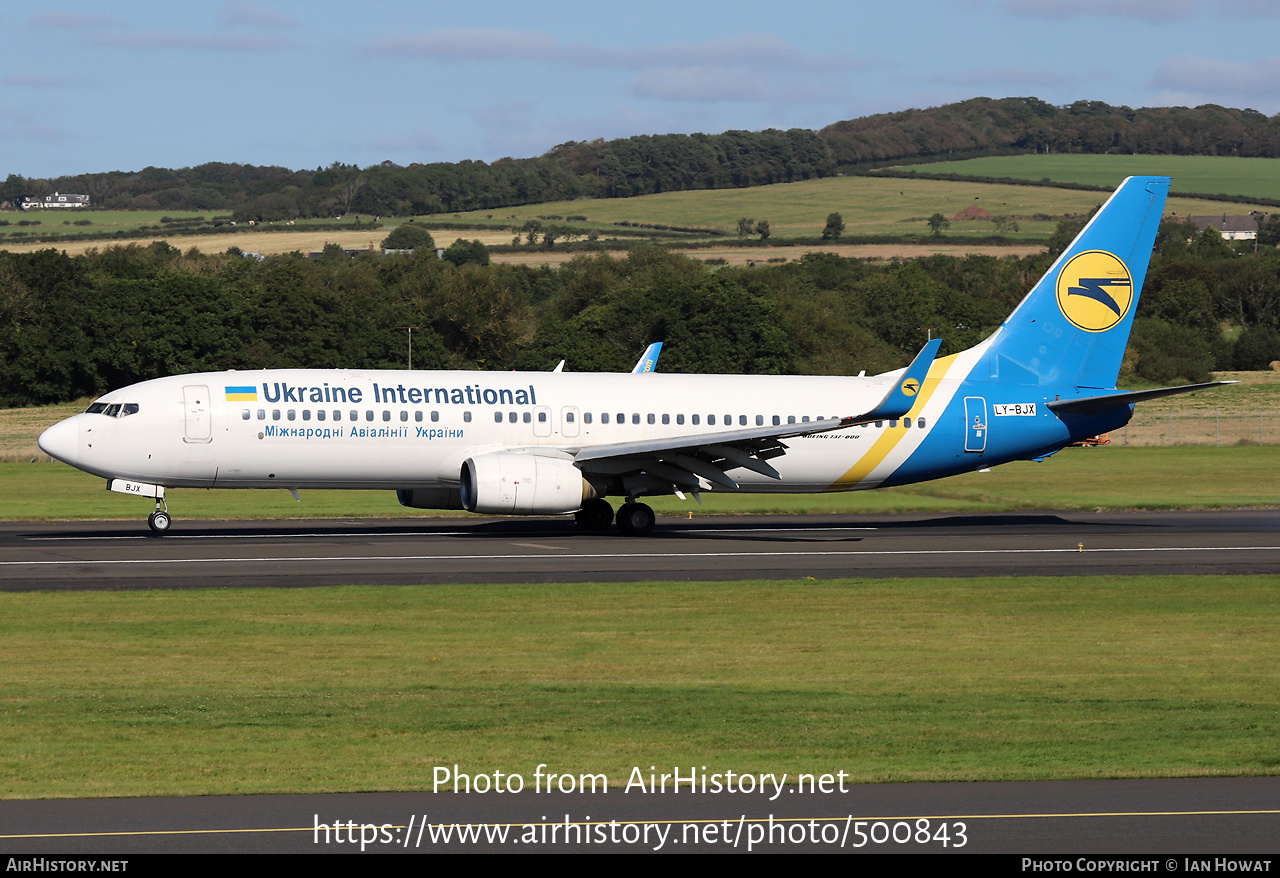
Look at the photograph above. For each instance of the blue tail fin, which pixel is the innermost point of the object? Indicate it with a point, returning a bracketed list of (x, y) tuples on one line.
[(1073, 327)]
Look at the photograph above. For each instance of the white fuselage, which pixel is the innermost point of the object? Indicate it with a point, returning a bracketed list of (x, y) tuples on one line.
[(404, 430)]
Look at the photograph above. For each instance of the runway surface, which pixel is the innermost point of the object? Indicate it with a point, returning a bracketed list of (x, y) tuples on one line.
[(1218, 816), (119, 555), (1171, 817)]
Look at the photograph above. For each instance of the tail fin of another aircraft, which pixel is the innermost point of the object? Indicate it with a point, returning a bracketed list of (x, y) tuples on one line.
[(1073, 327)]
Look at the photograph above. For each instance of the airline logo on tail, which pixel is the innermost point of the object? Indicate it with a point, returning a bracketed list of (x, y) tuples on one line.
[(1095, 290)]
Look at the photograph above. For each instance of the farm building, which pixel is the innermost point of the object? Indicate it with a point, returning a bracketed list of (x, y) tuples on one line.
[(57, 199), (1233, 228)]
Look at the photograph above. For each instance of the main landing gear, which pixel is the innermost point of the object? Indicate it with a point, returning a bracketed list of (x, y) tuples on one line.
[(634, 519), (595, 515)]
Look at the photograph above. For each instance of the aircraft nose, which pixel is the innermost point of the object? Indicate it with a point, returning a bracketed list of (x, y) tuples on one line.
[(62, 441)]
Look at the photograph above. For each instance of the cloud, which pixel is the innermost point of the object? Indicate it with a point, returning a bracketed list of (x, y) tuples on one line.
[(702, 84), (72, 21), (238, 12), (239, 42), (490, 44), (1006, 77), (1142, 10), (1192, 79), (37, 80), (468, 44)]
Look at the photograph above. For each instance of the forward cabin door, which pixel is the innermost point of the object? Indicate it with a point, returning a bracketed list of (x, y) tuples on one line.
[(199, 424)]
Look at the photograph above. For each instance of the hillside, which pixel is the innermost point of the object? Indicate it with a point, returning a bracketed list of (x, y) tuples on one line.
[(675, 162)]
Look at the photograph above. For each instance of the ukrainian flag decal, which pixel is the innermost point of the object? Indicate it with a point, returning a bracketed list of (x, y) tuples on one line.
[(1095, 290), (242, 394)]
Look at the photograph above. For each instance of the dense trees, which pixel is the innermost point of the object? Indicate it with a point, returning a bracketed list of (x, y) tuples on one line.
[(76, 326)]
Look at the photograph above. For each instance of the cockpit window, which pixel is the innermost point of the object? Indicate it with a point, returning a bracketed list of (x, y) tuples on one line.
[(113, 409)]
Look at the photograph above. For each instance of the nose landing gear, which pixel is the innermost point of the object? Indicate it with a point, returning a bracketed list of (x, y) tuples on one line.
[(159, 521)]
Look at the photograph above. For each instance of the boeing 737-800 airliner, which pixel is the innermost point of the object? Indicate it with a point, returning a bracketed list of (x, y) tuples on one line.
[(556, 443)]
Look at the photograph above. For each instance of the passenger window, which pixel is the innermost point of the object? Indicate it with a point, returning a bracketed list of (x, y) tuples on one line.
[(466, 416), (711, 420), (245, 414), (906, 422), (337, 414), (262, 414), (306, 414), (368, 414), (742, 420), (497, 417), (586, 417), (919, 423), (512, 417), (417, 416), (649, 418), (435, 416), (319, 414), (695, 420), (275, 414), (894, 423), (679, 419), (386, 415), (568, 416), (776, 420), (879, 424), (542, 417), (805, 419), (666, 419), (791, 419), (635, 418), (604, 417), (291, 415), (622, 418)]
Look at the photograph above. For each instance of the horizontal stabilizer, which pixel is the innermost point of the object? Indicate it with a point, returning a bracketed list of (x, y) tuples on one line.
[(1092, 404)]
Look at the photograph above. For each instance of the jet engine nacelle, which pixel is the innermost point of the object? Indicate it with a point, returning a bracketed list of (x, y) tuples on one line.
[(523, 484)]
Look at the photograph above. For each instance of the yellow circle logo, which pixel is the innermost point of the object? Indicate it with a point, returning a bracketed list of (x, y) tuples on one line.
[(910, 387), (1095, 290)]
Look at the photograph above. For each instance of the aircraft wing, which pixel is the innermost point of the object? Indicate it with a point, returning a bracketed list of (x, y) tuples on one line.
[(683, 460)]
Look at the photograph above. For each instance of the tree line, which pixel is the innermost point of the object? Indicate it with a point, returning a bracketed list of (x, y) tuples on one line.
[(673, 162), (75, 326)]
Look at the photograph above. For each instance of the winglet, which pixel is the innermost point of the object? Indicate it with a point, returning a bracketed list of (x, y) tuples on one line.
[(899, 400), (648, 361)]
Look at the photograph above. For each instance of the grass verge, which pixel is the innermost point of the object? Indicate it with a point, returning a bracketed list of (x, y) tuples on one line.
[(1075, 478), (369, 688)]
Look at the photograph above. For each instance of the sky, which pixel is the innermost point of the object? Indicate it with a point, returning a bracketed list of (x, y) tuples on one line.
[(90, 86)]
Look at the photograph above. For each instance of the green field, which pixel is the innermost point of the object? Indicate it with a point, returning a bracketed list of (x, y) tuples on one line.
[(104, 223), (1076, 478), (869, 206), (369, 688), (1247, 177)]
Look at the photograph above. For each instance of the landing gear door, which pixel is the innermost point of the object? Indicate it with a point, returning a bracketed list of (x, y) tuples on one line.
[(199, 424), (975, 418)]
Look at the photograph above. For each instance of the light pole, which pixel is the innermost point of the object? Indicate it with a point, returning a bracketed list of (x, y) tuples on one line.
[(411, 329)]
